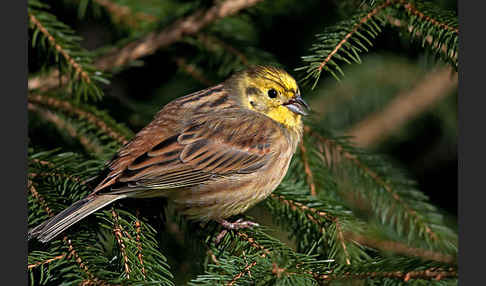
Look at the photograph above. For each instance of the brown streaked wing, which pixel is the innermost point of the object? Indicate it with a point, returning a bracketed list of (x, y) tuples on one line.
[(168, 121), (206, 154)]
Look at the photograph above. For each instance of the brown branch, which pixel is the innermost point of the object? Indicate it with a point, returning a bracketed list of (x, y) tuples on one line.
[(72, 252), (308, 171), (192, 71), (62, 124), (188, 26), (404, 107), (429, 39), (413, 10), (123, 14), (374, 243), (119, 238), (296, 205), (45, 163), (54, 174), (77, 67), (239, 275), (401, 248), (254, 244), (39, 198), (408, 6), (138, 228), (332, 144), (363, 20), (154, 41), (34, 265), (430, 274), (68, 107)]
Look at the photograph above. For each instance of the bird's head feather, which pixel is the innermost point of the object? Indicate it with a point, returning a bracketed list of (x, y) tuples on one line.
[(272, 92)]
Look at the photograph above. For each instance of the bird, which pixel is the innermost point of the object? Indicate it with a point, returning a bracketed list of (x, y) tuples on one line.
[(213, 153)]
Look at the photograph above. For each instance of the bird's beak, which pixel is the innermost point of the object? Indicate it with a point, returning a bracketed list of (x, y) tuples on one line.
[(297, 105)]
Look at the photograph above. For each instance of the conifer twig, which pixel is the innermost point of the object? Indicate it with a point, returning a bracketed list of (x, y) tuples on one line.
[(79, 70), (430, 40), (153, 41), (243, 272), (253, 243), (138, 228), (373, 175), (45, 163), (68, 107), (65, 125), (413, 10), (296, 205), (34, 265), (363, 20), (256, 246), (404, 107), (401, 248), (429, 274), (308, 171), (187, 26), (71, 251), (119, 238)]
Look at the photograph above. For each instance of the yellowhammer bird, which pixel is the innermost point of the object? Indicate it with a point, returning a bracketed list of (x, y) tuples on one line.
[(213, 153)]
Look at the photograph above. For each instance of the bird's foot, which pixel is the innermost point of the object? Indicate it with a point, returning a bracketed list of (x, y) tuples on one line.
[(239, 224)]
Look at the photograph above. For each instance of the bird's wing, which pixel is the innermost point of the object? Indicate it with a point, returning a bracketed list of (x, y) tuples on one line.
[(207, 147)]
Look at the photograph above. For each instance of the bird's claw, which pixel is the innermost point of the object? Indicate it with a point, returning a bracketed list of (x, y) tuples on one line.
[(239, 224)]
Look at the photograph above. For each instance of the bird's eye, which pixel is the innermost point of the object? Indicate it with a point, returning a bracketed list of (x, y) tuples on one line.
[(272, 93)]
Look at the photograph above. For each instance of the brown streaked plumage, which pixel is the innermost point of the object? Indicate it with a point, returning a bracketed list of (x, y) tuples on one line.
[(213, 153)]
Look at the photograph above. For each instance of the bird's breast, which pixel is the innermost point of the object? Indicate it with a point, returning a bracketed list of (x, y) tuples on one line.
[(234, 194)]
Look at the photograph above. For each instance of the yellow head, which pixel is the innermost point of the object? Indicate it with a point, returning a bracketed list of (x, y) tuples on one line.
[(272, 92)]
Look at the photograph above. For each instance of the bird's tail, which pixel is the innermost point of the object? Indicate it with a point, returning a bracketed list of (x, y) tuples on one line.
[(71, 215)]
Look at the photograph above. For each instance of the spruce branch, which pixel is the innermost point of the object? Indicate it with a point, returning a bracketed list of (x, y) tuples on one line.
[(429, 274), (72, 253), (153, 41), (243, 272), (82, 77), (436, 27), (404, 107), (119, 239), (332, 144), (393, 198), (79, 70), (327, 224), (415, 10), (343, 42), (251, 255), (34, 265), (138, 227), (184, 27), (62, 124), (128, 230), (308, 171), (400, 248), (100, 120), (415, 33)]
